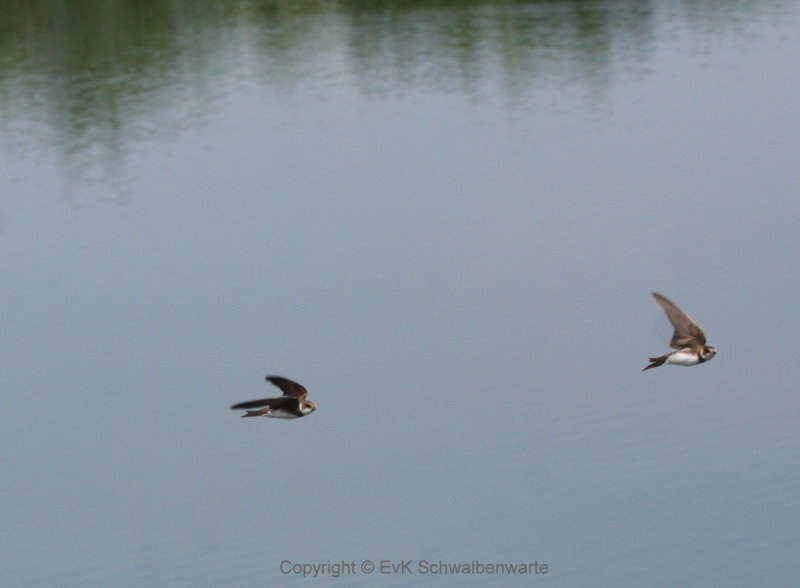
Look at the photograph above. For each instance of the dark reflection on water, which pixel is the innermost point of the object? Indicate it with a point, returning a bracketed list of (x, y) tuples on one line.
[(100, 76)]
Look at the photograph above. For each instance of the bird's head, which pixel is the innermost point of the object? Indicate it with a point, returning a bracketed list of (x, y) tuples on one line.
[(307, 407)]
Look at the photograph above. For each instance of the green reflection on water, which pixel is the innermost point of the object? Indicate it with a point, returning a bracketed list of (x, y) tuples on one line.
[(93, 71)]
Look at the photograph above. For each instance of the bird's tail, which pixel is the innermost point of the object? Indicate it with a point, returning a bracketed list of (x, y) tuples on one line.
[(255, 413), (656, 361)]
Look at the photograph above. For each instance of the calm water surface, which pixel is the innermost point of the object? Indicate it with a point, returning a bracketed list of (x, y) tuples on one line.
[(445, 219)]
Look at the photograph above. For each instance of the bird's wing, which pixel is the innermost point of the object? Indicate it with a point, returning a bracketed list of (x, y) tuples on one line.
[(687, 332), (288, 387), (273, 403)]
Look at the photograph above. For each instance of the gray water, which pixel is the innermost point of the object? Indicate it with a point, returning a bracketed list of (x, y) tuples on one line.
[(445, 219)]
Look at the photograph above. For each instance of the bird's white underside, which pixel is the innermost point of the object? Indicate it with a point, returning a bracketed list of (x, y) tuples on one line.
[(684, 358), (280, 414)]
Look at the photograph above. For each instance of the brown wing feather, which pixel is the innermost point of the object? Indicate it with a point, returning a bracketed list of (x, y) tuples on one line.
[(288, 387), (274, 403), (687, 332)]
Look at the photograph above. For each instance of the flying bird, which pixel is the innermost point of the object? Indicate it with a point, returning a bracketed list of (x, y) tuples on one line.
[(688, 339), (292, 405)]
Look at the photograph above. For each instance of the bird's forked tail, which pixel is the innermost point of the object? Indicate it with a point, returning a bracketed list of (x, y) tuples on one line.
[(656, 361), (256, 413)]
